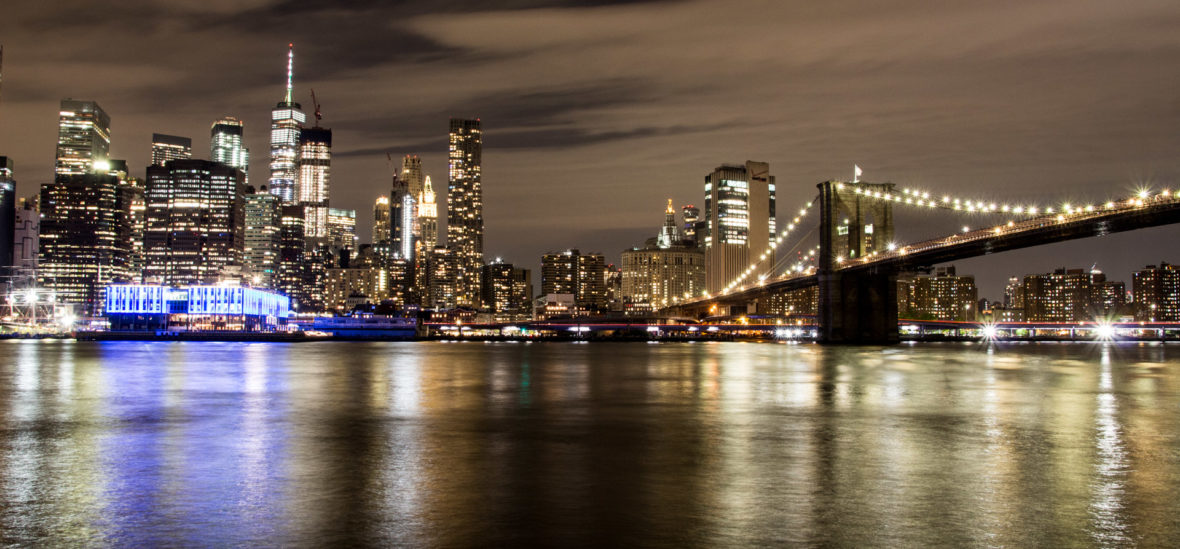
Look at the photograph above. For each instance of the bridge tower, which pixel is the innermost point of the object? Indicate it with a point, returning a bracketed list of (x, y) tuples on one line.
[(857, 305)]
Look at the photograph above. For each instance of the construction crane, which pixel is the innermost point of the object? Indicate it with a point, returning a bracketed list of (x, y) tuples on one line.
[(315, 103)]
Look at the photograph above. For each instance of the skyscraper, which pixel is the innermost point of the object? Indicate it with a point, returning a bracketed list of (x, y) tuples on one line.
[(740, 219), (227, 146), (381, 225), (263, 239), (83, 137), (403, 214), (315, 162), (170, 147), (428, 216), (507, 291), (340, 229), (294, 271), (286, 121), (7, 215), (571, 272), (465, 208), (195, 214), (669, 235), (85, 238)]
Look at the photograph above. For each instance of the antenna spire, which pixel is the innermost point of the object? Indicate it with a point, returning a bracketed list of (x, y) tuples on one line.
[(290, 68)]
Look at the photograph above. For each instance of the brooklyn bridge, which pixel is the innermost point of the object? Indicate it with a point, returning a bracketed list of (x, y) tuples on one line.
[(857, 262)]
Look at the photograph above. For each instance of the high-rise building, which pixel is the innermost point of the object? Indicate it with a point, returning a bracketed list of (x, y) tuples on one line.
[(286, 123), (7, 215), (1013, 296), (465, 207), (1070, 295), (293, 269), (347, 287), (194, 223), (443, 264), (403, 213), (1156, 291), (411, 174), (263, 239), (85, 239), (941, 296), (315, 161), (740, 219), (83, 137), (381, 225), (170, 147), (227, 145), (692, 218), (341, 229), (507, 291), (131, 195), (428, 216), (663, 271), (582, 275)]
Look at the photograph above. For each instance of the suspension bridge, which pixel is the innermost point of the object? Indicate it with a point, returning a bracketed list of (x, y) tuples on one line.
[(857, 262)]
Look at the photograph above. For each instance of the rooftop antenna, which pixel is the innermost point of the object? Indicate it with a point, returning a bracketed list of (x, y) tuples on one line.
[(290, 68)]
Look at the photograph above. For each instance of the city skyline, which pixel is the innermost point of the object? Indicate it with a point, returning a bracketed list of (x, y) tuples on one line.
[(1053, 107)]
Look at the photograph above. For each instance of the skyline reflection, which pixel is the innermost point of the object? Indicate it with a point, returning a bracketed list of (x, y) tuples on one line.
[(699, 444)]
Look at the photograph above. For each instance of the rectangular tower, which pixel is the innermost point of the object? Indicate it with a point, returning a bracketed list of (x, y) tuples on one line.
[(263, 239), (315, 163), (83, 137), (227, 145), (170, 147), (740, 219), (85, 240), (193, 228), (465, 208)]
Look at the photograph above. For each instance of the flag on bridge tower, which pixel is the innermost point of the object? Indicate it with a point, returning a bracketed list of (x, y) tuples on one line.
[(856, 173)]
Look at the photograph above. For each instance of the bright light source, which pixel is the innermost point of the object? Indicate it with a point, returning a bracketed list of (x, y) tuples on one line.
[(1105, 331), (989, 331)]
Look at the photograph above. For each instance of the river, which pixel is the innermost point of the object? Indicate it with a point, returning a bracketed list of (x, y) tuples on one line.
[(436, 444)]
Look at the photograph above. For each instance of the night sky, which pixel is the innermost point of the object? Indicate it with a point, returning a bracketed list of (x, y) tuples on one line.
[(595, 113)]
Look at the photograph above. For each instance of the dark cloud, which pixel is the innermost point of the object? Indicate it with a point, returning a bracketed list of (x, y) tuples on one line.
[(596, 111)]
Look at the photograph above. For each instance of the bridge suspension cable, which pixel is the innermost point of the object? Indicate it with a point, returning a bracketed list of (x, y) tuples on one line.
[(923, 199), (774, 243)]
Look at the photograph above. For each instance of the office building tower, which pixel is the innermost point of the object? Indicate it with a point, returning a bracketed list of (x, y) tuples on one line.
[(465, 207), (170, 147), (1156, 293), (26, 241), (293, 269), (507, 291), (263, 239), (131, 194), (581, 275), (1070, 295), (1013, 296), (740, 219), (286, 123), (85, 239), (83, 137), (194, 224), (315, 161), (442, 278), (403, 213), (7, 216), (341, 230), (227, 145), (347, 287), (411, 174), (428, 215), (692, 217), (943, 295), (381, 225)]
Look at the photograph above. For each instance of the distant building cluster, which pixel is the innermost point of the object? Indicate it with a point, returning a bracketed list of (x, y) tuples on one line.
[(197, 222)]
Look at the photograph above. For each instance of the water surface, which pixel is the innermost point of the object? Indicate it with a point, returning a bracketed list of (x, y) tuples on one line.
[(603, 444)]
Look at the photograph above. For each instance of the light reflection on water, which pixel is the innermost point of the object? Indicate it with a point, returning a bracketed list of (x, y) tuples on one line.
[(587, 445)]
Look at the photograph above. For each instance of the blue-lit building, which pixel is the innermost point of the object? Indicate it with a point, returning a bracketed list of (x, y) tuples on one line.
[(144, 307)]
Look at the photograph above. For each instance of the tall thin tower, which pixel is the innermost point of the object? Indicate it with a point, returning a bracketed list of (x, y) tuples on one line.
[(286, 122), (465, 208)]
